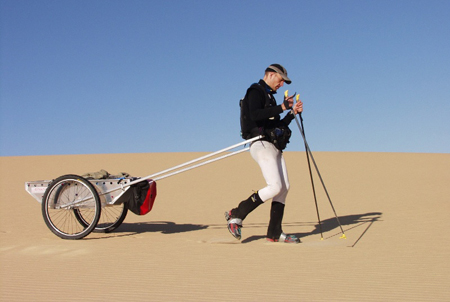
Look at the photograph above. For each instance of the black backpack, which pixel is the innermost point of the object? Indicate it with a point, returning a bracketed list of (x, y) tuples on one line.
[(243, 104)]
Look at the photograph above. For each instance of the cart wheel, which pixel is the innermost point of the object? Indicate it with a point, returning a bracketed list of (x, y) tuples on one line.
[(111, 218), (66, 195)]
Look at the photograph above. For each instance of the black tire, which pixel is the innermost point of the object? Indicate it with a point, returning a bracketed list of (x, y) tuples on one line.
[(111, 218), (66, 195)]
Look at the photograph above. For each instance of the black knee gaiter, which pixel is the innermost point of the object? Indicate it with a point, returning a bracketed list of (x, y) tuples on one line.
[(276, 216), (246, 206)]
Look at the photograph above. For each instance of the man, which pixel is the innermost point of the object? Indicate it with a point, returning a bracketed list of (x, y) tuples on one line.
[(259, 113)]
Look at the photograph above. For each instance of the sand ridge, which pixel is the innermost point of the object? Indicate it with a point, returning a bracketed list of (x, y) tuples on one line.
[(393, 208)]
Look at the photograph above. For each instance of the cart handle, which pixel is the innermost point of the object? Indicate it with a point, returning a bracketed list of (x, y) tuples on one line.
[(197, 160), (123, 186)]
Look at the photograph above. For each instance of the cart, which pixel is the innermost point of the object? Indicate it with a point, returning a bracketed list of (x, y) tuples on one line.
[(74, 206)]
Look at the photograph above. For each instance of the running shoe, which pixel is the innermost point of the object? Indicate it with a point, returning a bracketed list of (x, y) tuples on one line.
[(234, 225), (285, 238)]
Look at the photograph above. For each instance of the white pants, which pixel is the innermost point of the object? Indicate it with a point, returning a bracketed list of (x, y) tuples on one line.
[(273, 167)]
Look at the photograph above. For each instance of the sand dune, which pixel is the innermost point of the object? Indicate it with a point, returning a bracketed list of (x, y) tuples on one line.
[(393, 207)]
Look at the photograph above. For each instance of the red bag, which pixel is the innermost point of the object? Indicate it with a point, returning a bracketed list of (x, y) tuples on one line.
[(149, 200), (140, 197)]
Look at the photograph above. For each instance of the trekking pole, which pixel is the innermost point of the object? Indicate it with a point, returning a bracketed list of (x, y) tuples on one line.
[(312, 179), (308, 151), (309, 167)]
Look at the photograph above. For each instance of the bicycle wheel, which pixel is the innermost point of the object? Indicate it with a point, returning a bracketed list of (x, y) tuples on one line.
[(111, 218), (66, 195)]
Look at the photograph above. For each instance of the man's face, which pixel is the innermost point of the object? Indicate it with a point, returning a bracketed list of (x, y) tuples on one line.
[(275, 81)]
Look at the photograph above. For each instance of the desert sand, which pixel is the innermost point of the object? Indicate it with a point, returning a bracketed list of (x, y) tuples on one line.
[(394, 209)]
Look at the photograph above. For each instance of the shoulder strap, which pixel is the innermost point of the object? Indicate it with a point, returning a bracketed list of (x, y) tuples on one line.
[(264, 92)]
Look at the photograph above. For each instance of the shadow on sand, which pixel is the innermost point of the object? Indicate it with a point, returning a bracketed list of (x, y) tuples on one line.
[(347, 222), (164, 227)]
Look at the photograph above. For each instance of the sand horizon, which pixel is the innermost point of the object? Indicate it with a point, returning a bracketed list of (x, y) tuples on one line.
[(393, 208)]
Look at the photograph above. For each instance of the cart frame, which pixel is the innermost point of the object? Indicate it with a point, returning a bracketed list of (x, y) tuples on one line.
[(73, 206)]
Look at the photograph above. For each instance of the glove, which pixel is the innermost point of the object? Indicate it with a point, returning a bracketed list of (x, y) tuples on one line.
[(287, 104)]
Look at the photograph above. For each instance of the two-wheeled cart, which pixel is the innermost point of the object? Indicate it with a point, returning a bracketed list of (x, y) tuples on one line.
[(74, 206)]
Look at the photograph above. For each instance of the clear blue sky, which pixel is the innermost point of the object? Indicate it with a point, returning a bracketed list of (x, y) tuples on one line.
[(84, 77)]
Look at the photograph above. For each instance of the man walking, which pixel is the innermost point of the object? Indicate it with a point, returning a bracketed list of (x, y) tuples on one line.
[(260, 115)]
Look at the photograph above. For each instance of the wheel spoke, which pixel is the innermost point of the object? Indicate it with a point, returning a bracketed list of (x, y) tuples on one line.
[(64, 200)]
